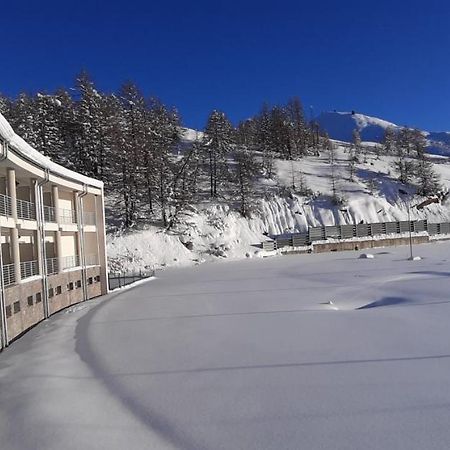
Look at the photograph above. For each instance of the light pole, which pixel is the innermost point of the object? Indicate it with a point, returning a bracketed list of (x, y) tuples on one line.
[(407, 201)]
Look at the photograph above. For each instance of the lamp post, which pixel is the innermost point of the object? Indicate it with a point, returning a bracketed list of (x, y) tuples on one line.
[(407, 201)]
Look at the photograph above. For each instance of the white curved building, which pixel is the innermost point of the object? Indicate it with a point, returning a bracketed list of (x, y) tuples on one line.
[(52, 232)]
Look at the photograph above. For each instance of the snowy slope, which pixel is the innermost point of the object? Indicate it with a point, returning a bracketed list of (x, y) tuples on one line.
[(340, 126), (213, 231)]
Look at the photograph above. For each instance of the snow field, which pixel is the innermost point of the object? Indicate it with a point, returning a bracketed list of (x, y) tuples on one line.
[(306, 351)]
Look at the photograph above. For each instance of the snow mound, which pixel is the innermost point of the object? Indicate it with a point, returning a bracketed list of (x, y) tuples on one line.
[(366, 256)]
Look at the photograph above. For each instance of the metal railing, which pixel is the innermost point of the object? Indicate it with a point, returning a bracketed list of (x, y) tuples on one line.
[(5, 205), (89, 218), (8, 274), (361, 230), (49, 214), (29, 269), (67, 216), (120, 279), (52, 266), (68, 262), (26, 210)]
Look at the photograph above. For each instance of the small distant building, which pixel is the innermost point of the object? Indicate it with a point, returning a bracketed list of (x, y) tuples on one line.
[(52, 233)]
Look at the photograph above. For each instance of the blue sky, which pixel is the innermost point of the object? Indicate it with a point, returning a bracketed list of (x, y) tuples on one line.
[(388, 59)]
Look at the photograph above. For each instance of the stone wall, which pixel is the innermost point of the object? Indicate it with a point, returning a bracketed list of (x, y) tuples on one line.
[(25, 305)]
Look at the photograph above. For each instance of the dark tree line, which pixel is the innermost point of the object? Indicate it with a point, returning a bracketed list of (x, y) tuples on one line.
[(133, 144)]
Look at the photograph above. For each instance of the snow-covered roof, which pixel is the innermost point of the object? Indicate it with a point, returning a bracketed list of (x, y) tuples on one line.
[(28, 152)]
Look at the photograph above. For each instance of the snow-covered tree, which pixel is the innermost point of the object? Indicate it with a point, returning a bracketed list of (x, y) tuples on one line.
[(219, 138)]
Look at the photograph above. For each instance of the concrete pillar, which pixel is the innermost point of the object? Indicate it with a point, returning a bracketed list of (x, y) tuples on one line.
[(39, 243), (101, 241), (55, 195), (15, 253), (12, 190)]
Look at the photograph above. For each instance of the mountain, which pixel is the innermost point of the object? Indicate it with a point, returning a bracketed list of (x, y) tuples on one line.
[(340, 126)]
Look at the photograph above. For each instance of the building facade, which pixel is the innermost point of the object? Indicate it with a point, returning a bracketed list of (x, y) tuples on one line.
[(52, 233)]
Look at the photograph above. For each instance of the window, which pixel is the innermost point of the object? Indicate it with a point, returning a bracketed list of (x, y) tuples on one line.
[(78, 283), (8, 311), (90, 280), (30, 300), (38, 297), (58, 290), (97, 278), (51, 293), (70, 286), (16, 307)]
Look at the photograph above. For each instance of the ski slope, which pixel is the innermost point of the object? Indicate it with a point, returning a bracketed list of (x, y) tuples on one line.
[(325, 351)]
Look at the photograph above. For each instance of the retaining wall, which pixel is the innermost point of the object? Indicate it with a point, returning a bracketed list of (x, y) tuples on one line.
[(25, 303), (369, 243)]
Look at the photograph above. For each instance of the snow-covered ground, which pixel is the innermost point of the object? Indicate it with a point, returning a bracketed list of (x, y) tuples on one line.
[(325, 351)]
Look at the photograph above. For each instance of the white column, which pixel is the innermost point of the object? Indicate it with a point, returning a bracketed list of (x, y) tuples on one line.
[(101, 241), (55, 195), (12, 191), (15, 252)]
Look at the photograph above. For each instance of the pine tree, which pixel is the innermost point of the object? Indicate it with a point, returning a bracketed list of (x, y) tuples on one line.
[(247, 169), (49, 139), (403, 164), (389, 141), (263, 140), (24, 118), (280, 132), (5, 105), (89, 115), (299, 132), (218, 142), (165, 137), (427, 179), (351, 164)]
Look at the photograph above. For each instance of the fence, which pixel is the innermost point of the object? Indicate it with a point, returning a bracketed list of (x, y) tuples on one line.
[(119, 279), (29, 269), (8, 274), (26, 210), (361, 230), (49, 214), (52, 266), (67, 216), (5, 205)]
